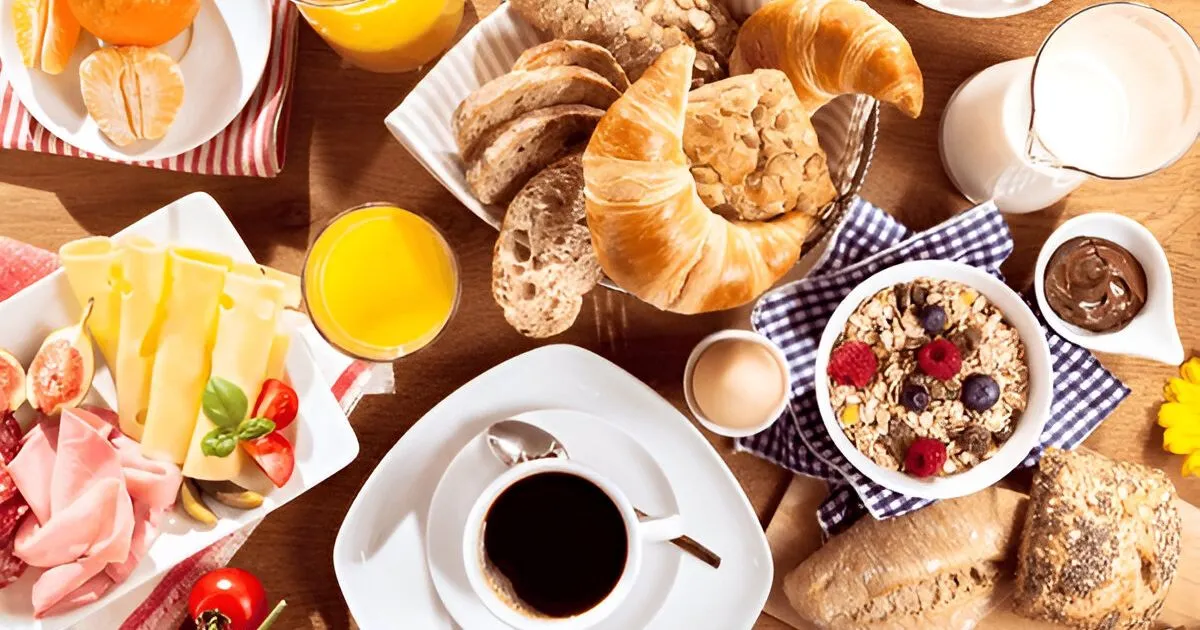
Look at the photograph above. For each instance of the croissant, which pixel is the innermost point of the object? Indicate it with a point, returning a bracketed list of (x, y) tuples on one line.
[(831, 47), (652, 233)]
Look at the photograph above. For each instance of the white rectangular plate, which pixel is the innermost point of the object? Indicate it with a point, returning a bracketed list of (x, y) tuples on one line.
[(380, 558), (325, 443)]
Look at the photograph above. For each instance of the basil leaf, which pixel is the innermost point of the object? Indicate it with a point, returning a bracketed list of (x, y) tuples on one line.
[(224, 403), (219, 442), (254, 428)]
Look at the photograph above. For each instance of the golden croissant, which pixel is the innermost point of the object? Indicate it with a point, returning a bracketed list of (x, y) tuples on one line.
[(653, 234), (831, 47)]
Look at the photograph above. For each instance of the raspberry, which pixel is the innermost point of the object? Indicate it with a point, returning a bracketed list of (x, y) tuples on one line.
[(940, 359), (924, 457), (852, 363)]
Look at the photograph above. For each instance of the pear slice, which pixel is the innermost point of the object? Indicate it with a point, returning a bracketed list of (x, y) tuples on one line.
[(62, 370), (12, 383)]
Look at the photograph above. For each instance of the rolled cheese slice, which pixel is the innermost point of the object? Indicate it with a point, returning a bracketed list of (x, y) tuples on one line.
[(93, 267), (144, 267)]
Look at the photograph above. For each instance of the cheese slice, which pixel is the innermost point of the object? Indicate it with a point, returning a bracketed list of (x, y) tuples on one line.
[(144, 266), (185, 341), (93, 267), (246, 325), (277, 361), (291, 282)]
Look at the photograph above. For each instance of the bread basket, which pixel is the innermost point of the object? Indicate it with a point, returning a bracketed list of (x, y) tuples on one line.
[(847, 127)]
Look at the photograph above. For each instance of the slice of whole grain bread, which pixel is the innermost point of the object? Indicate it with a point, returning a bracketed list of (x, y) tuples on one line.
[(575, 52), (544, 263)]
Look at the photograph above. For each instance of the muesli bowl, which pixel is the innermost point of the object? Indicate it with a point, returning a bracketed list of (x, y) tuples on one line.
[(1006, 344)]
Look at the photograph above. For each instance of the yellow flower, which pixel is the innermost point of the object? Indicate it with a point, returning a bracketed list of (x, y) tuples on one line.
[(1181, 440), (850, 415), (1181, 391), (1190, 370), (1191, 465), (1173, 414)]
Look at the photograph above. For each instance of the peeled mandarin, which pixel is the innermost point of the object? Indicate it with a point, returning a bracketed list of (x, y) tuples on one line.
[(135, 22), (132, 93), (46, 32)]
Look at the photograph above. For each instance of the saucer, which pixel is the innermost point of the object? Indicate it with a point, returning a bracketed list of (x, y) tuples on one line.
[(380, 555), (983, 9), (590, 441)]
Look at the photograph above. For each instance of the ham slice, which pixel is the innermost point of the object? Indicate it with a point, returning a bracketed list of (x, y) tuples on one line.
[(96, 505)]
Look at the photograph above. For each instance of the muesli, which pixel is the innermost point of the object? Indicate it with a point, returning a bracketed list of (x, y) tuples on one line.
[(928, 377)]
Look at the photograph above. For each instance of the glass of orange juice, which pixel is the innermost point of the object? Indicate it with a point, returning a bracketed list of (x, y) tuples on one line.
[(380, 282), (385, 35)]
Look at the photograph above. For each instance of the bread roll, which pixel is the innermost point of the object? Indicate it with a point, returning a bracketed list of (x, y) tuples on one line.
[(912, 571), (1101, 543), (831, 47), (653, 234), (754, 154), (573, 52)]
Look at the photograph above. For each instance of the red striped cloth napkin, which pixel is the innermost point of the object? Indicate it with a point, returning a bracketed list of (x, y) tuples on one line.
[(158, 605), (252, 145)]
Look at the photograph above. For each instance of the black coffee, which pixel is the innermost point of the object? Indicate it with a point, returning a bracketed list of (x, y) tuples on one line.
[(559, 540)]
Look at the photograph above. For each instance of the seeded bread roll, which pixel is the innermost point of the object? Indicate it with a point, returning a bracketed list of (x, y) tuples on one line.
[(1101, 543)]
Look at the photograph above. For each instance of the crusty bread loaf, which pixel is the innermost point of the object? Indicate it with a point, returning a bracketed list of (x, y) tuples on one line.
[(544, 263), (517, 93), (517, 150), (574, 52), (906, 571), (753, 151), (1101, 543)]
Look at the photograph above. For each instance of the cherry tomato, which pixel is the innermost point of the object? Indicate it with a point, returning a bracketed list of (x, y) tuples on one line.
[(274, 455), (277, 402), (228, 599)]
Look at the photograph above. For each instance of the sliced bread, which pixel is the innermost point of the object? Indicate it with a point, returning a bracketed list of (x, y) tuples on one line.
[(544, 263), (517, 93), (575, 52), (517, 150)]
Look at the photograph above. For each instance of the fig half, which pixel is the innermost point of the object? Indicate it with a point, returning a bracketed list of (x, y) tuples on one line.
[(12, 383), (61, 373)]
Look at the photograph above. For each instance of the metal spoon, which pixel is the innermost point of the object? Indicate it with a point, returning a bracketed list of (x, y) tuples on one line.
[(514, 442)]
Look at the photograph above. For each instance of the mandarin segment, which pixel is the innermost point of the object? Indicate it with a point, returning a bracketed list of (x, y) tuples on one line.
[(46, 33), (135, 22), (132, 93)]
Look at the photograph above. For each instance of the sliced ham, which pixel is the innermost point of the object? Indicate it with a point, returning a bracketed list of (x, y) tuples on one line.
[(96, 505)]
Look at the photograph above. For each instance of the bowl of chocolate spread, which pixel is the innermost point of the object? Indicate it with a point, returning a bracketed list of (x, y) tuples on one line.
[(1103, 282)]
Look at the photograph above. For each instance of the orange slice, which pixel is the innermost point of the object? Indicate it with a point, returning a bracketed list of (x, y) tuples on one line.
[(135, 22), (132, 93), (46, 32)]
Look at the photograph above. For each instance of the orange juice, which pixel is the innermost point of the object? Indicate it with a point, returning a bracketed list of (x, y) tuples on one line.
[(385, 35), (380, 282)]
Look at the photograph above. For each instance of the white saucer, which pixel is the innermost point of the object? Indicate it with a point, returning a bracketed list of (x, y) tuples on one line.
[(984, 9), (589, 440), (380, 555), (222, 58)]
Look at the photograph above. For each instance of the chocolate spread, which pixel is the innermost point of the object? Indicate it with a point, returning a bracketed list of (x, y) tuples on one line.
[(1095, 284)]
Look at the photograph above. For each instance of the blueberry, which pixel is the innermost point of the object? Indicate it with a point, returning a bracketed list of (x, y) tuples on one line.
[(933, 319), (980, 392), (914, 397)]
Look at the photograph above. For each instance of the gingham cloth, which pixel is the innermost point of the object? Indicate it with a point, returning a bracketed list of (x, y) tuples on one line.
[(794, 316)]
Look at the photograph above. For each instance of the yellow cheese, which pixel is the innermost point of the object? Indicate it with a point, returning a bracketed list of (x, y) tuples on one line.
[(144, 265), (246, 328), (181, 363), (277, 362), (291, 282), (93, 267)]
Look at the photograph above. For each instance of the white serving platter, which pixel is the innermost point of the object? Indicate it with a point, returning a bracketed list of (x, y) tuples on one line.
[(381, 558), (324, 440), (222, 57)]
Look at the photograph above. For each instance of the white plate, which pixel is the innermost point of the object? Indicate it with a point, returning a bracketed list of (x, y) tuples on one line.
[(325, 442), (229, 44), (591, 441), (380, 558), (1041, 382), (984, 9)]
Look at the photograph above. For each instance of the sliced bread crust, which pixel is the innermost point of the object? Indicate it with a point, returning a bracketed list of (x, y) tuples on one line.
[(575, 52)]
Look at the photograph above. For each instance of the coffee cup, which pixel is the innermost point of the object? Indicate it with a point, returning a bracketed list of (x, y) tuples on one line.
[(552, 544)]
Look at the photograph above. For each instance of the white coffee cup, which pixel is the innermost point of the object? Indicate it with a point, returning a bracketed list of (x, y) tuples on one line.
[(638, 533)]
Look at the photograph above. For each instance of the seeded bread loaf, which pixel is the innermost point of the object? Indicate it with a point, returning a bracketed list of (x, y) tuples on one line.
[(544, 262), (574, 52), (1101, 543), (912, 571)]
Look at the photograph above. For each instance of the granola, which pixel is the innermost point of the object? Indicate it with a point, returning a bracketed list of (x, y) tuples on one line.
[(947, 367)]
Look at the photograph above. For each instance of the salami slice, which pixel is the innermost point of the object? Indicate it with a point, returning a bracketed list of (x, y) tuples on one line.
[(22, 265), (11, 513), (11, 567), (8, 489), (10, 436)]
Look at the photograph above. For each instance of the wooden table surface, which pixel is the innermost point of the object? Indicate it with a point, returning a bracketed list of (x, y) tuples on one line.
[(339, 155)]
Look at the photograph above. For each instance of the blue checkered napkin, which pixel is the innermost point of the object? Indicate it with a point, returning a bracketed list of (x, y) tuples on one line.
[(794, 316)]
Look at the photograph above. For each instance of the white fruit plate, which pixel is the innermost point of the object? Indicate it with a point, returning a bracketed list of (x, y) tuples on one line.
[(325, 443), (222, 58)]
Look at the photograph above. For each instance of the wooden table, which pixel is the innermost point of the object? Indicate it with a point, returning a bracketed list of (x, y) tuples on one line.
[(340, 155)]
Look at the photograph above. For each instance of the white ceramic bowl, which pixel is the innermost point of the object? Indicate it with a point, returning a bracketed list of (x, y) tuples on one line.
[(745, 335), (1152, 333), (1037, 354)]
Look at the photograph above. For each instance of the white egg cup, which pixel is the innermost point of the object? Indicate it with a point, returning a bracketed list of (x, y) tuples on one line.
[(743, 335), (1151, 334)]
